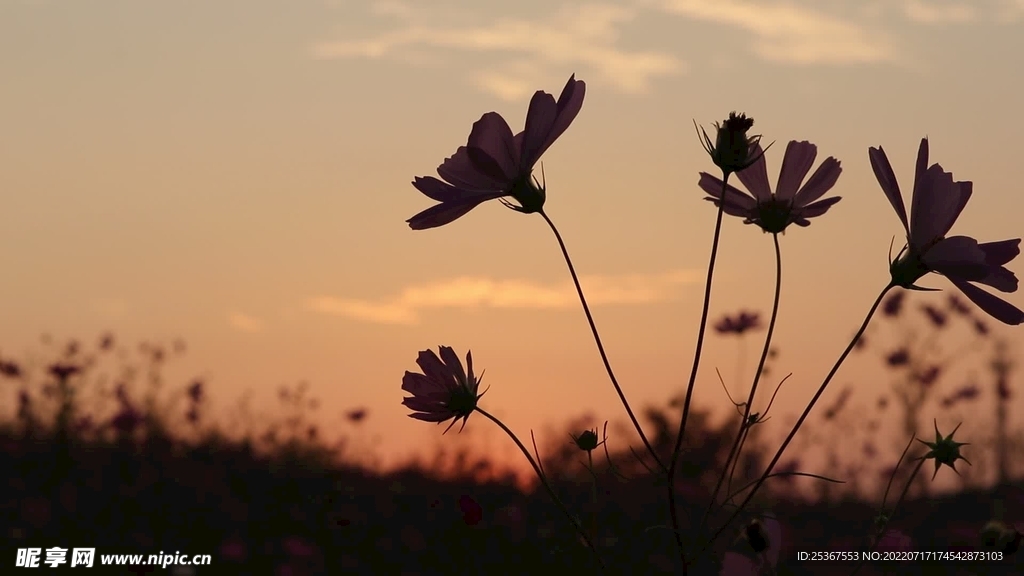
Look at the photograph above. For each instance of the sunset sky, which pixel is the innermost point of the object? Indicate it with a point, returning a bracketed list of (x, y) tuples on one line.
[(237, 173)]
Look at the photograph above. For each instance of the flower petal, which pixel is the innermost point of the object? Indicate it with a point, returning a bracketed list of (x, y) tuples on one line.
[(460, 171), (734, 196), (823, 179), (755, 176), (444, 192), (733, 209), (453, 364), (434, 403), (993, 305), (1000, 253), (492, 148), (816, 209), (1000, 278), (887, 180), (795, 164), (435, 369), (937, 202), (446, 212), (957, 257), (570, 101), (419, 385), (432, 416), (539, 120)]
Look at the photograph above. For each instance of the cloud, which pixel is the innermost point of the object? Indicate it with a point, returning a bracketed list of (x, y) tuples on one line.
[(930, 12), (577, 35), (788, 33), (478, 292), (244, 322)]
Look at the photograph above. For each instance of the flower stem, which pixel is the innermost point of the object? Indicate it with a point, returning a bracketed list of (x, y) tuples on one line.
[(544, 481), (737, 446), (597, 339), (807, 411), (593, 493), (881, 529), (693, 372)]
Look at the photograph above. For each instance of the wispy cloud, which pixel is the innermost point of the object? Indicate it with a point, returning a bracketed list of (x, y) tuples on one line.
[(244, 322), (931, 12), (582, 38), (786, 32), (477, 292)]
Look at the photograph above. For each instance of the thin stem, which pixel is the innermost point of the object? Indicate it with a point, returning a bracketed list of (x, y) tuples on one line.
[(888, 486), (781, 475), (597, 339), (737, 446), (693, 372), (807, 411), (735, 463), (593, 493), (874, 543), (544, 481)]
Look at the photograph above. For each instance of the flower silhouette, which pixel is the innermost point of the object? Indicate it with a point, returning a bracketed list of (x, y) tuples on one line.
[(791, 203), (945, 451), (495, 164), (444, 391), (741, 323), (733, 150), (935, 205)]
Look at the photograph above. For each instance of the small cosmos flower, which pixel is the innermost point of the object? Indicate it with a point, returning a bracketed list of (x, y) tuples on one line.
[(894, 541), (757, 549), (495, 164), (935, 205), (791, 203), (444, 391), (740, 324)]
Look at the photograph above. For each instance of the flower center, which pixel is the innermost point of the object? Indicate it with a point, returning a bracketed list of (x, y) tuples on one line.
[(773, 215), (529, 195), (462, 401), (907, 270)]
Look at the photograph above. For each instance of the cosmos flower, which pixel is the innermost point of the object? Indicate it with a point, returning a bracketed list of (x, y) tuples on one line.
[(893, 304), (791, 203), (739, 324), (894, 541), (758, 550), (444, 391), (495, 164), (935, 205)]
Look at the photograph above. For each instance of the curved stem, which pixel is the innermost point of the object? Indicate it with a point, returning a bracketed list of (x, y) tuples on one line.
[(597, 339), (693, 372), (874, 543), (807, 411), (737, 446), (781, 475), (544, 481)]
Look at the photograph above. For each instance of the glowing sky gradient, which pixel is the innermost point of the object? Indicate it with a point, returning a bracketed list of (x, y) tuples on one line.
[(238, 173)]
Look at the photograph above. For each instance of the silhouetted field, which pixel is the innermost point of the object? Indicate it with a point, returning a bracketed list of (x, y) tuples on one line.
[(128, 474)]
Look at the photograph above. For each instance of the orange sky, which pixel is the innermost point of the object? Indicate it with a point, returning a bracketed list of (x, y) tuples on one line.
[(238, 174)]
